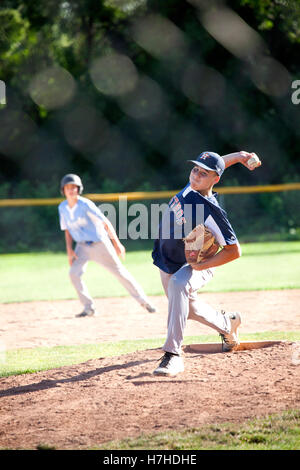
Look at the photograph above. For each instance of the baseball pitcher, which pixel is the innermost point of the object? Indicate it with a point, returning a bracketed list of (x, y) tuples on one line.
[(187, 261)]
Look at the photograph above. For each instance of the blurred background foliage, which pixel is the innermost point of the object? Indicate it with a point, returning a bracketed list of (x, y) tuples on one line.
[(123, 92)]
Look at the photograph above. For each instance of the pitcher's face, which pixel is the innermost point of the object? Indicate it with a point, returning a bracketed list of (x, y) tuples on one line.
[(202, 179)]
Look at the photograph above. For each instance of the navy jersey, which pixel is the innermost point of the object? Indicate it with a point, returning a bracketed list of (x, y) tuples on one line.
[(185, 211)]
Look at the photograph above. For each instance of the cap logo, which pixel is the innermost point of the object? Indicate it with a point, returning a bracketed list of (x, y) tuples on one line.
[(204, 156)]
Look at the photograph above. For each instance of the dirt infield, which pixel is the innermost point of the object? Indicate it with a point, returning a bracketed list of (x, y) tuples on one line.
[(77, 407)]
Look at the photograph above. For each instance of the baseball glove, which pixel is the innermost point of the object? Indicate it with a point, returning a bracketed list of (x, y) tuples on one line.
[(199, 244)]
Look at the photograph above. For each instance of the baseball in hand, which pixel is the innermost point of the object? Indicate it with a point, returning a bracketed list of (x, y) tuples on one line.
[(253, 161)]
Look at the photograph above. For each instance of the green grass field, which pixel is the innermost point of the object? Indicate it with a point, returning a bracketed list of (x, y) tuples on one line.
[(275, 432), (44, 276)]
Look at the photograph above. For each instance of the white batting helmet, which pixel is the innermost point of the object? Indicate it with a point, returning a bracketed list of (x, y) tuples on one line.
[(70, 178)]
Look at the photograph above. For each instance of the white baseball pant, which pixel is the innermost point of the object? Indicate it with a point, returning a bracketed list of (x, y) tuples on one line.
[(104, 254), (181, 289)]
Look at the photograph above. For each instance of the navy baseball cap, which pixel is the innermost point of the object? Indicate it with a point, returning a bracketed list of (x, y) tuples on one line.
[(210, 161)]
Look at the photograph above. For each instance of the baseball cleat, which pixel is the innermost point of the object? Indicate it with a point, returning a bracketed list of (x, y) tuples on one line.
[(171, 364), (87, 312), (230, 340), (149, 307)]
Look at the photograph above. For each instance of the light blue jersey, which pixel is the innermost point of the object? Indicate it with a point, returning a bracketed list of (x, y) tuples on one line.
[(84, 221)]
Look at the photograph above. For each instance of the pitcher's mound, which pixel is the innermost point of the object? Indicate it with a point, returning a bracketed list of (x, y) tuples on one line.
[(211, 348)]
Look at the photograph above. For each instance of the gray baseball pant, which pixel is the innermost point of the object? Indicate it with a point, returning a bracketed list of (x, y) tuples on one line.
[(181, 289), (104, 254)]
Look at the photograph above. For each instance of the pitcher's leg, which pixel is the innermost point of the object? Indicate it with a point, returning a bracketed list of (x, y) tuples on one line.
[(182, 289), (76, 272), (201, 311), (178, 296), (165, 278)]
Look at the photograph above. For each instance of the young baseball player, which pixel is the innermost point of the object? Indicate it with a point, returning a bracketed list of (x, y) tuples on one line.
[(96, 240), (180, 281)]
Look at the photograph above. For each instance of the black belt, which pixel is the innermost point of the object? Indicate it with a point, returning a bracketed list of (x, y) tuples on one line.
[(88, 243)]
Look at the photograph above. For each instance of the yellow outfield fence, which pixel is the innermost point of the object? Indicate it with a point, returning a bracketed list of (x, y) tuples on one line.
[(142, 195)]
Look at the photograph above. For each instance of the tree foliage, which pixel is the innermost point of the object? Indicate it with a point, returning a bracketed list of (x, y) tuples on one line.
[(185, 89)]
